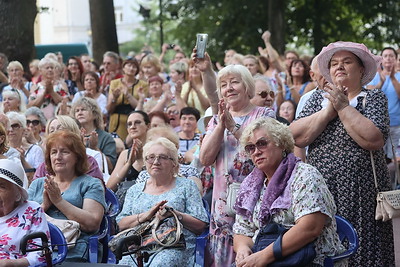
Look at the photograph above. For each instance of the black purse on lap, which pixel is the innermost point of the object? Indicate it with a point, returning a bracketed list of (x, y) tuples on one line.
[(273, 233)]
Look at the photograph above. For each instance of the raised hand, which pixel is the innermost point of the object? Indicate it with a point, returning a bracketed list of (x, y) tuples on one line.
[(201, 63), (52, 190), (337, 95)]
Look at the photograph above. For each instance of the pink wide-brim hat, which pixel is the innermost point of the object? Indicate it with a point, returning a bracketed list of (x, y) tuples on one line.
[(369, 60)]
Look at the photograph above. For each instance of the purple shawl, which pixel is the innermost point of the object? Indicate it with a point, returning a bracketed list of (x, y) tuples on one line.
[(250, 190)]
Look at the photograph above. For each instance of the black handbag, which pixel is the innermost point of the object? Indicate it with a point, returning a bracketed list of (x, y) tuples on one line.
[(273, 233)]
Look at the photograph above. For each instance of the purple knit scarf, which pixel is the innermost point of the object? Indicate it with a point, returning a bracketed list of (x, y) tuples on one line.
[(251, 186)]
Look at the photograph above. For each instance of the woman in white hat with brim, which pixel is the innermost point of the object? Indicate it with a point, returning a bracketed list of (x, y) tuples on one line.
[(18, 217), (341, 124)]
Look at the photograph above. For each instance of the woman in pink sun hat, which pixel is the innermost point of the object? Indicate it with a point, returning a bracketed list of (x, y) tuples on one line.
[(341, 123)]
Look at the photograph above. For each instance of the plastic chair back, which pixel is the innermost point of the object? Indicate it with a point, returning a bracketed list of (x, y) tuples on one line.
[(201, 241), (112, 203), (95, 239), (57, 238), (347, 234)]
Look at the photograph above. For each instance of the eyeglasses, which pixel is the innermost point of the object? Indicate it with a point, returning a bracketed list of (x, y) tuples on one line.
[(135, 123), (264, 94), (261, 145), (34, 122), (15, 126), (173, 112), (161, 158)]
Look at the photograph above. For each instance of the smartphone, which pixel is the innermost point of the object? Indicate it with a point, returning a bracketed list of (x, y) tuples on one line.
[(201, 44)]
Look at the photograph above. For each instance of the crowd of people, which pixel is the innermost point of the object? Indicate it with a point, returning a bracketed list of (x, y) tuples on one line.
[(294, 133)]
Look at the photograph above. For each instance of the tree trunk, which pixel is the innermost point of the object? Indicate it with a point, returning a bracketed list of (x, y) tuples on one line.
[(104, 32), (276, 24), (317, 31), (16, 31)]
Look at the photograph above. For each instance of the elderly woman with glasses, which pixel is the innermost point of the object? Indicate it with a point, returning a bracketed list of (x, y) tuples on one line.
[(264, 95), (35, 122), (163, 188), (31, 155), (282, 189)]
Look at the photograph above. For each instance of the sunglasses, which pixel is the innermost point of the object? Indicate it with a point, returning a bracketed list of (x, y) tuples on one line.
[(15, 126), (261, 145), (34, 122), (264, 94)]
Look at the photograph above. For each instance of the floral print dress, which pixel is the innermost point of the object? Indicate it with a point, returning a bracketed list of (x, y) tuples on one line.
[(308, 193), (347, 170), (239, 166), (27, 218), (185, 198)]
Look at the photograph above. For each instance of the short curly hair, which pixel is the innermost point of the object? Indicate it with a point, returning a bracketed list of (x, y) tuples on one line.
[(278, 133)]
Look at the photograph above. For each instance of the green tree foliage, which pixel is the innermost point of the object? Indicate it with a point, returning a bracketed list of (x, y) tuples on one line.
[(238, 24), (319, 22), (231, 24)]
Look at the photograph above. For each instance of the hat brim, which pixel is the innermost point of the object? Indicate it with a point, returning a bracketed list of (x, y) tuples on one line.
[(201, 123), (370, 64), (23, 190)]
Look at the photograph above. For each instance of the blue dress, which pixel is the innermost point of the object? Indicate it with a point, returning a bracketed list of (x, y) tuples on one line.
[(82, 187), (184, 197)]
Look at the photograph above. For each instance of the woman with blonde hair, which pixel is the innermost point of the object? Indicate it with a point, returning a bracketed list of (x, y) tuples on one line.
[(16, 81), (235, 87), (150, 66), (12, 101), (193, 93), (89, 115)]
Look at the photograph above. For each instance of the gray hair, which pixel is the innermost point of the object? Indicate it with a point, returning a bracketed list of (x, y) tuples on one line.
[(172, 150), (244, 74), (278, 133), (112, 55), (47, 61), (36, 112), (12, 115)]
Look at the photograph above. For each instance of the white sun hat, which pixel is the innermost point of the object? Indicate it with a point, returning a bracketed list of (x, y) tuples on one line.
[(14, 173)]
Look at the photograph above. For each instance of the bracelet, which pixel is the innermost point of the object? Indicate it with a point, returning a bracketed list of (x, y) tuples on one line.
[(137, 217), (236, 128)]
